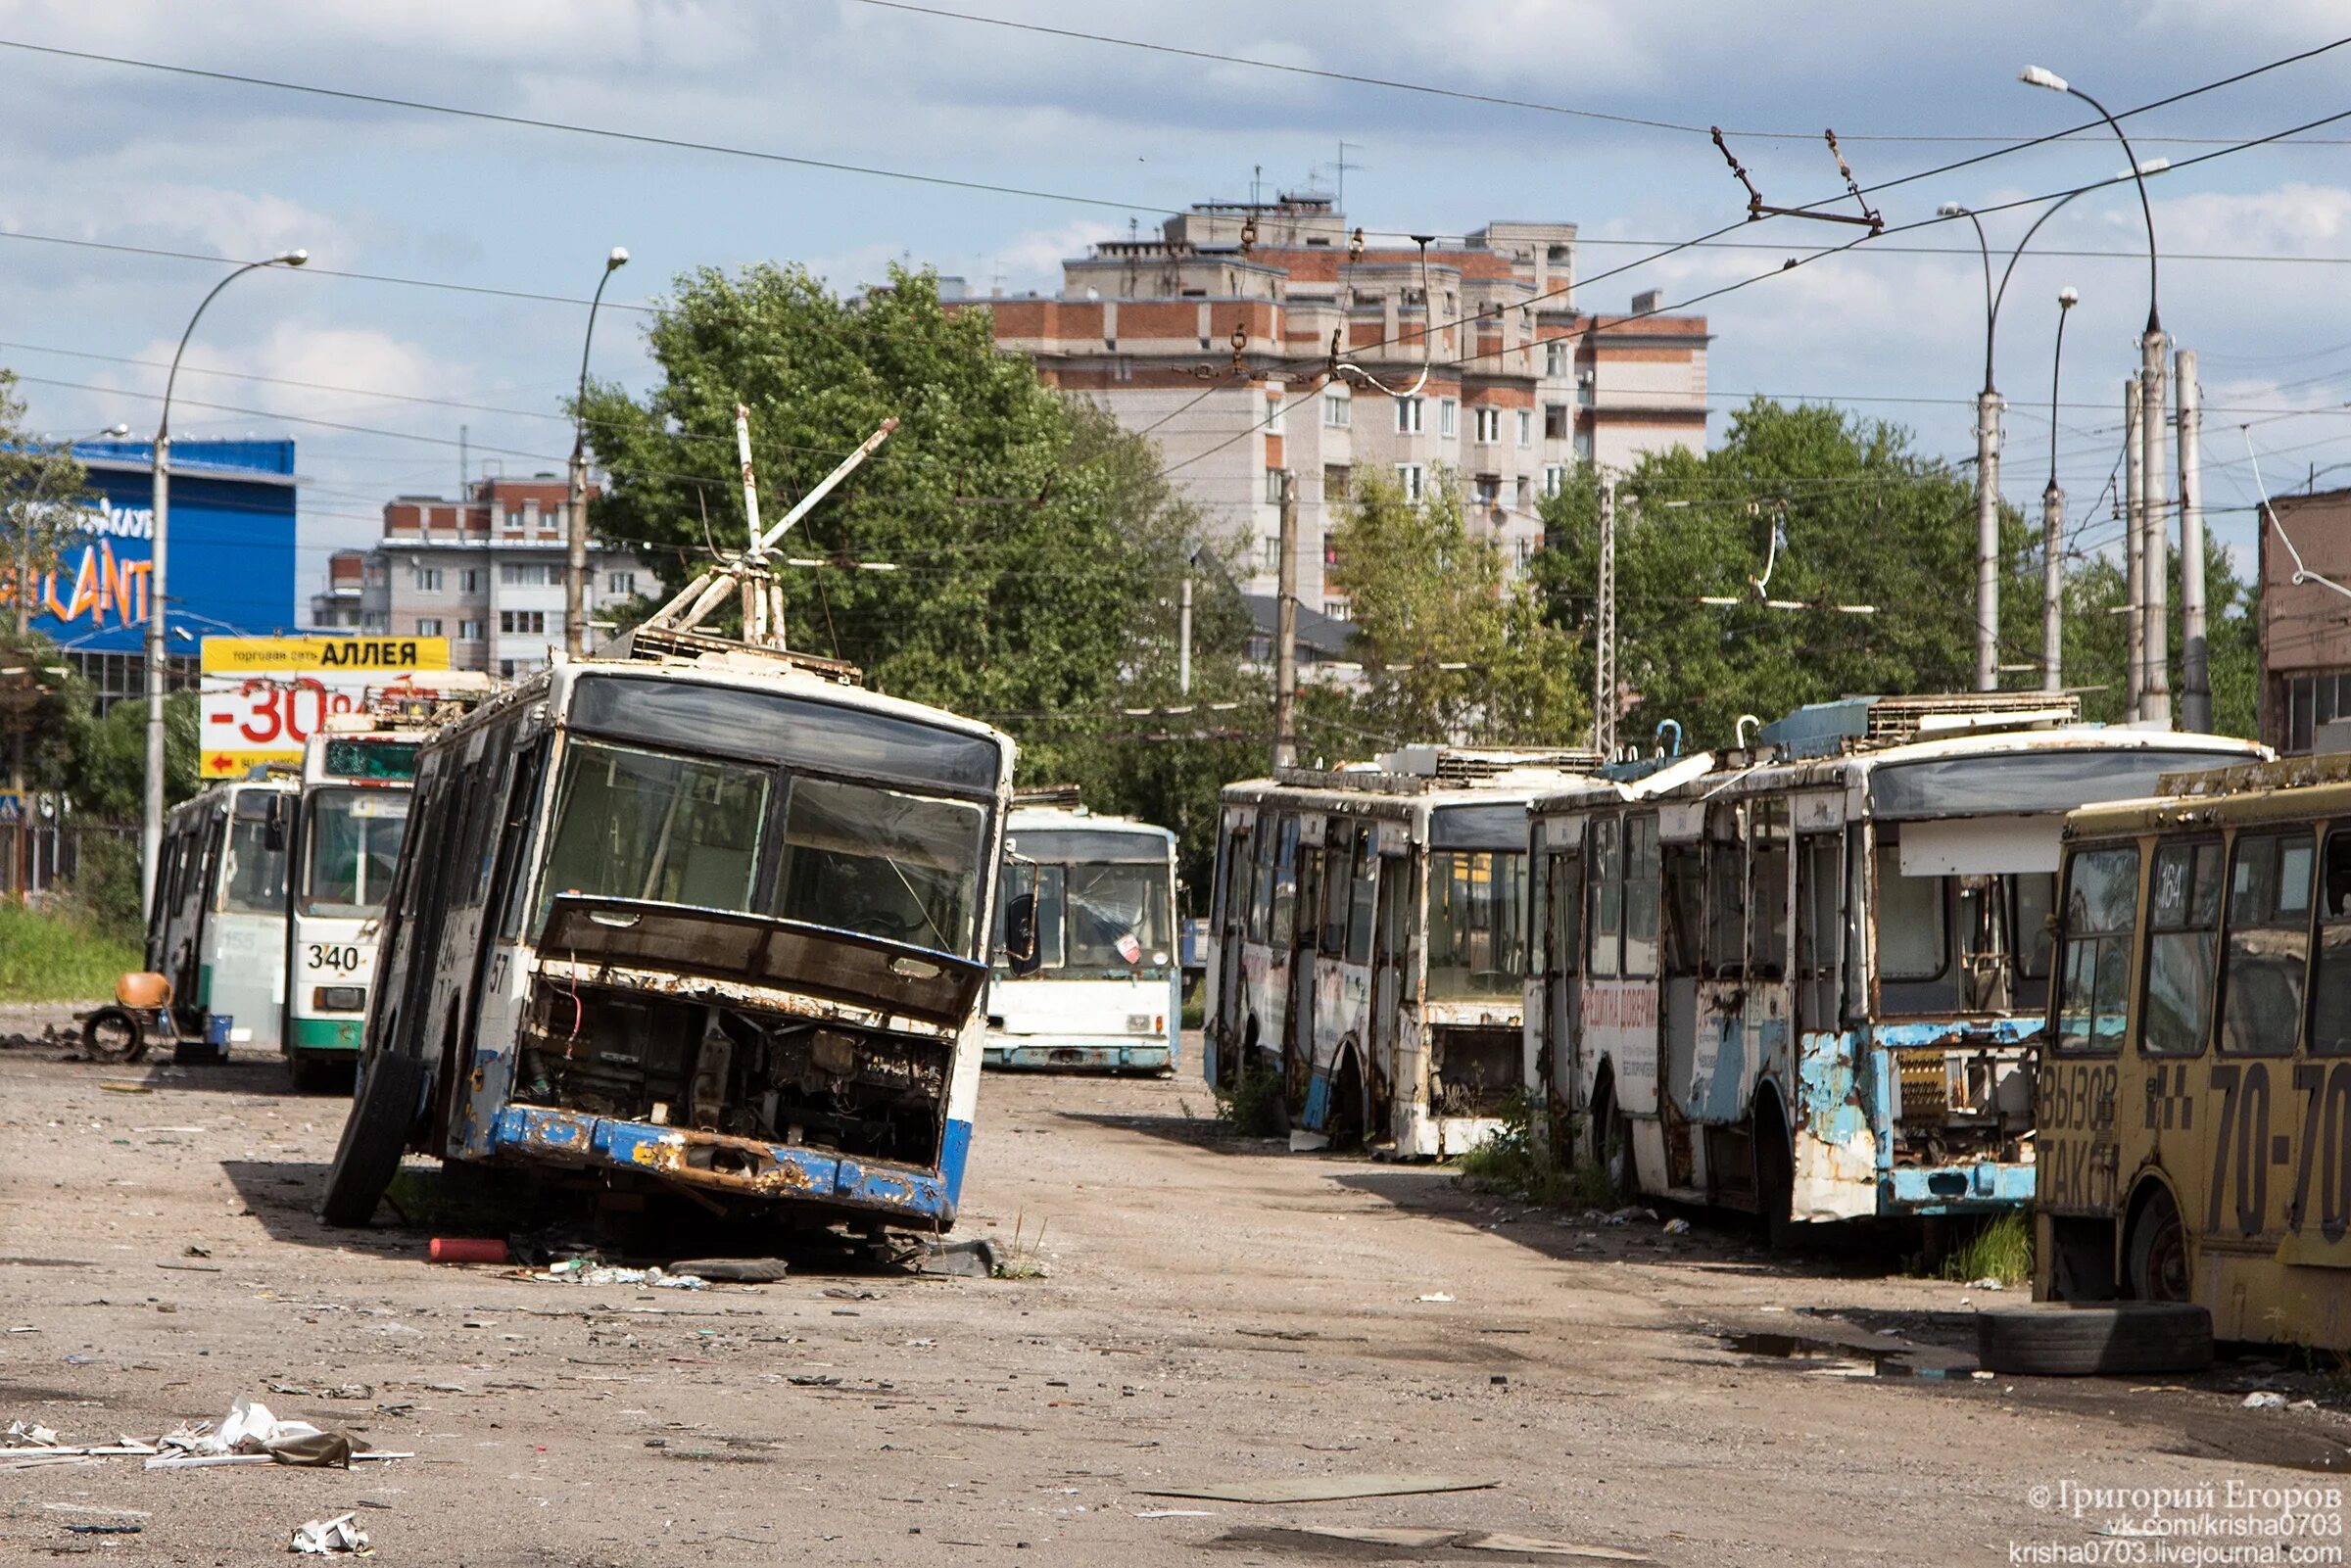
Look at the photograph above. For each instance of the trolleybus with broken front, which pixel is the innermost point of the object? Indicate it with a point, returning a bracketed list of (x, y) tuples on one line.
[(1806, 978), (704, 920), (217, 928), (2196, 1098), (1370, 942), (1103, 987)]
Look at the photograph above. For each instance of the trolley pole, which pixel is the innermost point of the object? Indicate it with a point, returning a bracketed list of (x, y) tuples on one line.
[(1285, 633)]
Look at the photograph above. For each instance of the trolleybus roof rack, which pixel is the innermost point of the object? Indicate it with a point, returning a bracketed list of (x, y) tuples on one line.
[(1418, 769), (1871, 723), (2283, 772), (1066, 796), (657, 642)]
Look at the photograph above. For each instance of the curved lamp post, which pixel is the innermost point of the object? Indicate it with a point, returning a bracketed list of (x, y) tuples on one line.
[(2150, 534), (151, 825), (575, 568)]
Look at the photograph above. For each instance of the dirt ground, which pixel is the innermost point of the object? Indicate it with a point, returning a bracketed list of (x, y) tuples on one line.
[(1210, 1309)]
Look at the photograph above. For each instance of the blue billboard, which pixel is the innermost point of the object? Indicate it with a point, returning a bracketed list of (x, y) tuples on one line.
[(231, 542)]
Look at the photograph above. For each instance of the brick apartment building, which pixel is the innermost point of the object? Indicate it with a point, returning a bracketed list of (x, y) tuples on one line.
[(2305, 628), (486, 571), (1520, 384)]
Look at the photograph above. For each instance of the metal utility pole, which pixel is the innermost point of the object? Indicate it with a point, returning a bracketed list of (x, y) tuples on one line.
[(2135, 540), (575, 520), (2052, 527), (1184, 636), (2195, 670), (2155, 555), (1285, 633), (1988, 538), (1604, 629), (151, 823)]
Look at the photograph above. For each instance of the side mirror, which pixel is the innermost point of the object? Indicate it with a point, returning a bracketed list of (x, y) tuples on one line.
[(1020, 933)]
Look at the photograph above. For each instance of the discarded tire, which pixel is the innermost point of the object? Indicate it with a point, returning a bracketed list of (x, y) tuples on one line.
[(113, 1034), (374, 1136), (2068, 1339), (733, 1270)]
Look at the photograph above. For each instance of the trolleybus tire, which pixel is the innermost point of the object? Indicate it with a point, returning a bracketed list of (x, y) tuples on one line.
[(1613, 1146), (2155, 1260), (1775, 1180), (374, 1136), (113, 1034), (2088, 1338)]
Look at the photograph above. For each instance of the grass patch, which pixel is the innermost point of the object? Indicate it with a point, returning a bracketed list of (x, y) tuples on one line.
[(1517, 1162), (1253, 1107), (2000, 1249), (57, 955)]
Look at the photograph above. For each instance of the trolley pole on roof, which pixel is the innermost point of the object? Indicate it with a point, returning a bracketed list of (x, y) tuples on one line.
[(1286, 632)]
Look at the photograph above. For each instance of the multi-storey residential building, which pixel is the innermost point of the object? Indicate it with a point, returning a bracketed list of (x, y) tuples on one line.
[(486, 571), (1467, 359), (2304, 621), (338, 607)]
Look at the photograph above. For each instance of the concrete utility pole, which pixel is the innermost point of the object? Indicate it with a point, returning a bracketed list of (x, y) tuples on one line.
[(2195, 668), (1184, 636), (1604, 629), (151, 823), (575, 520), (1285, 633), (2155, 555), (2052, 527), (1987, 536), (2134, 540)]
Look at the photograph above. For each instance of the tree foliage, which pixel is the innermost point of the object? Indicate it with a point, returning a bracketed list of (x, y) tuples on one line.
[(42, 487), (1452, 648)]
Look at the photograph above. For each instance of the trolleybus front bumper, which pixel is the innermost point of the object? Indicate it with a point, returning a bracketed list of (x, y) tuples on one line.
[(1065, 1053)]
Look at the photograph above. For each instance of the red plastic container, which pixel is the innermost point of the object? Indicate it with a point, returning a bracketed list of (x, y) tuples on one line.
[(468, 1250)]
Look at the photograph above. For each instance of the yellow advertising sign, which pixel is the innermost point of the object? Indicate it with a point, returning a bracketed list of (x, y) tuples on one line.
[(263, 696), (324, 655)]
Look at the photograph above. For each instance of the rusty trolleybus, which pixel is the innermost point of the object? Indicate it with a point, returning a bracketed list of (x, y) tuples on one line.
[(1371, 942), (1804, 979), (704, 918), (2195, 1103)]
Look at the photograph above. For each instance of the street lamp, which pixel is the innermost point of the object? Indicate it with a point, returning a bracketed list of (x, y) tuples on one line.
[(575, 570), (2151, 533), (150, 826), (2052, 527)]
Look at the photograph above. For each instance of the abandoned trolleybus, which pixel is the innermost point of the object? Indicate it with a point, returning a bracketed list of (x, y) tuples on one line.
[(1104, 985), (706, 919), (2195, 1100), (1371, 942), (1807, 981), (217, 929)]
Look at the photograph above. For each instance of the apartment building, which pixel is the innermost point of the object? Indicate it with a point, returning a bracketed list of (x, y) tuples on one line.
[(485, 571), (1467, 357), (2304, 621)]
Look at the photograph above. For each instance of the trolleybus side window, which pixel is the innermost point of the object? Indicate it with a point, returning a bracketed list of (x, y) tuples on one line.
[(1285, 883), (1767, 903), (1726, 893), (1685, 908), (2101, 906), (1477, 945), (1608, 894), (1641, 895), (1914, 944), (255, 884), (2184, 919), (2268, 952), (1363, 895), (1567, 904), (1339, 845), (1260, 886), (2330, 1009)]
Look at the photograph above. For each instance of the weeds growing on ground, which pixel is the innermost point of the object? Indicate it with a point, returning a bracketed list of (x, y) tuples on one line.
[(56, 955), (2000, 1249), (1253, 1107), (1519, 1161)]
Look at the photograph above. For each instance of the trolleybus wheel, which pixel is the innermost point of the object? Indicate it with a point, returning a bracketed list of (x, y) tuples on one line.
[(113, 1034), (1613, 1146), (374, 1135), (1775, 1179), (2155, 1255)]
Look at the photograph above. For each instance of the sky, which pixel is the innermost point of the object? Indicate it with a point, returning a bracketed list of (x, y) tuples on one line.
[(375, 356)]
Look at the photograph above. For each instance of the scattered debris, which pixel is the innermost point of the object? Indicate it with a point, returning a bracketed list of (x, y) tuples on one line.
[(1305, 1142), (734, 1270), (1986, 1283), (1418, 1539), (1436, 1296), (1677, 1227), (1176, 1513), (328, 1538), (106, 1529), (1320, 1489), (586, 1271), (2265, 1400), (959, 1259), (249, 1434), (118, 1086)]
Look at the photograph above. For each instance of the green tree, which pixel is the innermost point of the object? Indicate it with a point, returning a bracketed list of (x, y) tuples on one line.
[(1032, 542), (1452, 648), (1836, 510), (109, 763)]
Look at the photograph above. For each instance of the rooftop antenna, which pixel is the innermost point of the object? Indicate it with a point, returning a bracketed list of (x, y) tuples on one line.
[(1342, 167), (1257, 176)]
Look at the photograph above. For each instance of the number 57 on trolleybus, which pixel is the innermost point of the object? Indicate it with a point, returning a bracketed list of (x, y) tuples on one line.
[(1371, 942), (2195, 1102), (704, 922), (1807, 982)]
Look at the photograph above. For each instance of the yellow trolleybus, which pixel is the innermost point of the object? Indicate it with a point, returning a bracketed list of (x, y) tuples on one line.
[(2195, 1102)]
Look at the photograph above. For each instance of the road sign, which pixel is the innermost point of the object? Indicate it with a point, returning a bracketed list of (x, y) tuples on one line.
[(263, 696), (12, 808)]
